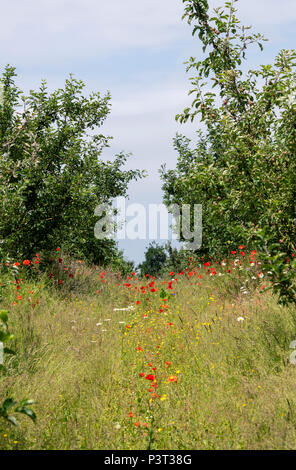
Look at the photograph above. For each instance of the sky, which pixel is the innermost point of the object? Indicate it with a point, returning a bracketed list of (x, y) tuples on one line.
[(136, 50)]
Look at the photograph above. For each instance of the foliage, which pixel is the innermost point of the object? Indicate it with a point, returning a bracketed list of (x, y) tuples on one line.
[(243, 167), (8, 403), (155, 257), (161, 259), (51, 176), (20, 408)]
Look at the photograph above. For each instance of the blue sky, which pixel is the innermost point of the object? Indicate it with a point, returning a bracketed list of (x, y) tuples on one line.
[(135, 49)]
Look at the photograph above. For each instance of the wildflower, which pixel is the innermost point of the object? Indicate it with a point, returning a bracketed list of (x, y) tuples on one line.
[(240, 319), (172, 378), (26, 262), (131, 415), (142, 374)]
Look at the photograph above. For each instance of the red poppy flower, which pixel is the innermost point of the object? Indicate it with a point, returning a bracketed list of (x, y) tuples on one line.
[(172, 378), (150, 377)]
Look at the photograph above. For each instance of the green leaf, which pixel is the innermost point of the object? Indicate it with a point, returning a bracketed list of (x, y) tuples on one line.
[(8, 403), (27, 411), (9, 351), (4, 315)]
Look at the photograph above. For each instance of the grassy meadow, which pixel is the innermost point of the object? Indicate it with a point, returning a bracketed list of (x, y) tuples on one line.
[(196, 360)]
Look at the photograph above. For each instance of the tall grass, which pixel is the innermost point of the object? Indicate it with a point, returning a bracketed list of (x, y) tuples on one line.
[(215, 361)]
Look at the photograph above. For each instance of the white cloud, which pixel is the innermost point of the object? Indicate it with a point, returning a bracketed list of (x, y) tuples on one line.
[(59, 29), (267, 12), (36, 32)]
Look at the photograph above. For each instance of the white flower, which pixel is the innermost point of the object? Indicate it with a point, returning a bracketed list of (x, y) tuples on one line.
[(240, 319), (99, 324), (117, 426), (131, 307)]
